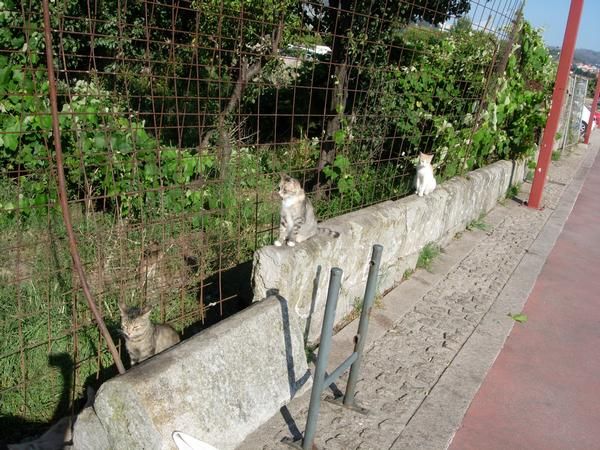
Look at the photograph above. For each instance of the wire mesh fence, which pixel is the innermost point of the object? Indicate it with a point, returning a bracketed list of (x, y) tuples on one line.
[(176, 119), (573, 118)]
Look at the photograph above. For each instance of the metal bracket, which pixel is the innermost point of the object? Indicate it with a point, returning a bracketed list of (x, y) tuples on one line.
[(320, 378)]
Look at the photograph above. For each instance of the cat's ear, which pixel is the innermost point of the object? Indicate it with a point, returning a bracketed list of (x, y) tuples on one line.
[(122, 308), (146, 310), (284, 176)]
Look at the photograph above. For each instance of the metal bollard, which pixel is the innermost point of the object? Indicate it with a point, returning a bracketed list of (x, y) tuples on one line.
[(321, 366), (320, 381), (363, 324)]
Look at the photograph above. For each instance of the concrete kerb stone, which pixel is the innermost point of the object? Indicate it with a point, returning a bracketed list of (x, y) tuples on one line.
[(90, 434), (403, 227), (217, 386)]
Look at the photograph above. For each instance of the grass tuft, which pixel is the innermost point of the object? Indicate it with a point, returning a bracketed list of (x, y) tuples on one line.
[(427, 255), (530, 174), (513, 190), (478, 224)]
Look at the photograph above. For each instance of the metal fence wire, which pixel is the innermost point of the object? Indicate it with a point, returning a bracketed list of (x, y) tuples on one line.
[(576, 128), (571, 125), (176, 119)]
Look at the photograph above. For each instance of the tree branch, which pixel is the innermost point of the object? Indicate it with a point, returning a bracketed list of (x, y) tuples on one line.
[(247, 73)]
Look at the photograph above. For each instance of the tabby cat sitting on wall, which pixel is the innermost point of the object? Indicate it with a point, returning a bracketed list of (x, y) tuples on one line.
[(143, 339), (298, 221)]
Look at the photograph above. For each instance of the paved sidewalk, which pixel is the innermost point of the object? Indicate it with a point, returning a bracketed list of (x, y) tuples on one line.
[(543, 391), (433, 342)]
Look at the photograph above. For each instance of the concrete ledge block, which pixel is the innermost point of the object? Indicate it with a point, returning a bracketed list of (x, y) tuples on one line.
[(217, 386), (88, 432), (403, 227)]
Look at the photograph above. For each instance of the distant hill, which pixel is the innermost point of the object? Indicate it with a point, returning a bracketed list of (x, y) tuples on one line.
[(585, 56), (582, 55)]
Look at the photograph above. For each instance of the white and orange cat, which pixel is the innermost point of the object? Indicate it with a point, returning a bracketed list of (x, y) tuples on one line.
[(425, 180)]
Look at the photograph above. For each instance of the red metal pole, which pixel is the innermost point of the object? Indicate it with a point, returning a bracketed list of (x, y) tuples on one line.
[(593, 111), (562, 77)]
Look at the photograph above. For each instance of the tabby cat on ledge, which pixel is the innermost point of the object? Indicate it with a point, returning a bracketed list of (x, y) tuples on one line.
[(144, 339), (298, 221)]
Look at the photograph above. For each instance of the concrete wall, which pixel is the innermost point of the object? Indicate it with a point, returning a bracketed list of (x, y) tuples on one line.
[(403, 227), (223, 383), (217, 386)]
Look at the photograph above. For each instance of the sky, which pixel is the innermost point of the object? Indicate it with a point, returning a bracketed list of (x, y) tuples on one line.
[(551, 15)]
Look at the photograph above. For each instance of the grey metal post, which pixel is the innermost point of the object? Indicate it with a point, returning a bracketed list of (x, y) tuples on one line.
[(321, 366), (363, 325)]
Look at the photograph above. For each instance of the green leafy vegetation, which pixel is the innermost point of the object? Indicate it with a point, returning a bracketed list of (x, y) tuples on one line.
[(310, 353), (530, 175), (520, 317), (427, 255), (513, 191)]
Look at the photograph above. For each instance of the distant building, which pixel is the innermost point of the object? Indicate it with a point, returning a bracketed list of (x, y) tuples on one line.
[(590, 69)]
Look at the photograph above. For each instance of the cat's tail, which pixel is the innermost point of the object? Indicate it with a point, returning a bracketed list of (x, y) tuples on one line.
[(328, 232)]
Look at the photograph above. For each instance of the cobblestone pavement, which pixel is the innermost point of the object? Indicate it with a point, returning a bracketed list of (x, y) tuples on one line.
[(401, 367)]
